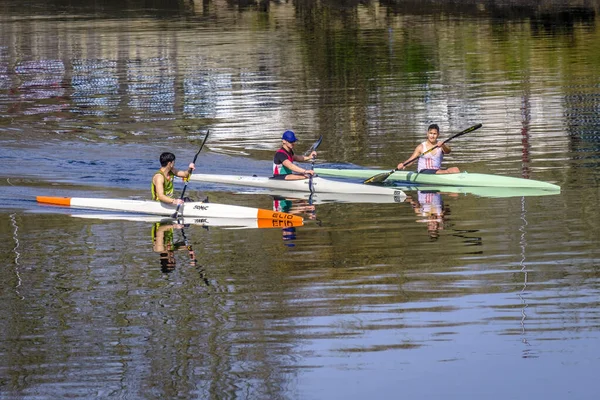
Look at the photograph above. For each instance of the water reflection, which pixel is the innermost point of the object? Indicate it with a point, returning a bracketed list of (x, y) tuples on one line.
[(166, 243), (527, 352), (16, 251), (429, 206), (298, 206)]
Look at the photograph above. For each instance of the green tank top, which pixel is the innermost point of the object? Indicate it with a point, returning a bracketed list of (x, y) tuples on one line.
[(168, 238), (167, 185)]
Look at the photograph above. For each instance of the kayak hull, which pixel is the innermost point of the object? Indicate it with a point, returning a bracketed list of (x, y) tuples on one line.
[(485, 191), (461, 179), (189, 209), (324, 198), (320, 185)]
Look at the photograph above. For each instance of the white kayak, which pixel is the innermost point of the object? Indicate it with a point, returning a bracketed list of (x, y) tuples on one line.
[(227, 223), (323, 198), (189, 209), (319, 185)]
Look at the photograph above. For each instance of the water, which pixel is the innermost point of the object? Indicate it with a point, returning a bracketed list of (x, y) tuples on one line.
[(492, 297)]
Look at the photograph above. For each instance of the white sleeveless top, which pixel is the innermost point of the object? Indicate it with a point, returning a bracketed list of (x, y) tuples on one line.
[(431, 160)]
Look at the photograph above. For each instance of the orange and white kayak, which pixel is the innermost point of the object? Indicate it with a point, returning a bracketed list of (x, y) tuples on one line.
[(189, 209)]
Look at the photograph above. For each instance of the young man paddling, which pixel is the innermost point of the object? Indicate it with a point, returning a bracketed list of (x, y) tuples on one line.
[(283, 162), (162, 181), (431, 162)]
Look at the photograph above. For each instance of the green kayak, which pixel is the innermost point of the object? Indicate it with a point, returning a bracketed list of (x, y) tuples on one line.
[(463, 179)]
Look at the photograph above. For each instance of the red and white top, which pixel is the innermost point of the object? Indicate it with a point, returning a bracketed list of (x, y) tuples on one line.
[(431, 160)]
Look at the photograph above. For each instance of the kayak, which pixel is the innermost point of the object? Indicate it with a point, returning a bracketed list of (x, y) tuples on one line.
[(460, 179), (189, 209), (227, 223), (323, 198), (320, 185)]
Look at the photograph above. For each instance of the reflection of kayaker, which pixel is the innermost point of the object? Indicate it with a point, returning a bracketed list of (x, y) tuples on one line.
[(292, 206), (431, 210), (164, 243), (289, 235)]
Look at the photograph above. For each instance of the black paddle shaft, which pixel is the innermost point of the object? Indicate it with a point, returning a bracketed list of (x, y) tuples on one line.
[(189, 174), (312, 166)]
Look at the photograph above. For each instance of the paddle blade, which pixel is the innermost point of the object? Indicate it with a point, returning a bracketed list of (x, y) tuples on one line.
[(468, 130), (379, 178), (314, 146)]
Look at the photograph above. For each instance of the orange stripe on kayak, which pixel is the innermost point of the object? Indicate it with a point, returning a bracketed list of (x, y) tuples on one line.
[(59, 201), (279, 216)]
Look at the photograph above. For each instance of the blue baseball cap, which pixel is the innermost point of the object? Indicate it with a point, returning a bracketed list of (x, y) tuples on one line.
[(289, 136)]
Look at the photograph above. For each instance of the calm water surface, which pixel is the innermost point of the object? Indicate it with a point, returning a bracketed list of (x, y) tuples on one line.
[(489, 298)]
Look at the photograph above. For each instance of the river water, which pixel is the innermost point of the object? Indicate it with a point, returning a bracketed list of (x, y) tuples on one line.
[(486, 297)]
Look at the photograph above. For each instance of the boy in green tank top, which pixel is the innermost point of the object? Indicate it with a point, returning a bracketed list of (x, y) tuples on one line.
[(162, 181)]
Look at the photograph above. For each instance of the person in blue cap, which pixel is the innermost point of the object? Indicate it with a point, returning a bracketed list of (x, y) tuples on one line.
[(283, 162)]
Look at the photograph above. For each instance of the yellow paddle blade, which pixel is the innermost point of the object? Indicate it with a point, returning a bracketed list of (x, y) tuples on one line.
[(379, 177)]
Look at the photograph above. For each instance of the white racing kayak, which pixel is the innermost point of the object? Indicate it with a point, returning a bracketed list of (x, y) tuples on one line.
[(190, 209), (323, 198), (227, 223), (319, 185)]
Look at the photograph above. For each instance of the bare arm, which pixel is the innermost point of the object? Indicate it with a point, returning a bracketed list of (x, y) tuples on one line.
[(414, 155), (184, 174), (445, 148), (290, 165), (300, 157)]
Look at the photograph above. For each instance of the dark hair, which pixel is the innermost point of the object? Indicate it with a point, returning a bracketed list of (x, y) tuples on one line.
[(166, 158), (434, 126)]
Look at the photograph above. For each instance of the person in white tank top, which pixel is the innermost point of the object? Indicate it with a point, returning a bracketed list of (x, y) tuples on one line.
[(431, 163)]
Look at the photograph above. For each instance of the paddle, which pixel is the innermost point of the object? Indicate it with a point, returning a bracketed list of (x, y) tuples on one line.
[(314, 146), (188, 246), (312, 166), (383, 176), (189, 174)]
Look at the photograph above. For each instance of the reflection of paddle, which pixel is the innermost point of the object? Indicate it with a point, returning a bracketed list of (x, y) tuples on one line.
[(188, 246), (383, 176), (188, 177), (312, 165)]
